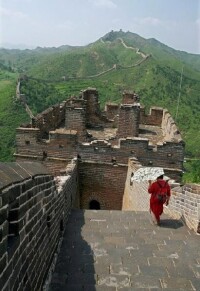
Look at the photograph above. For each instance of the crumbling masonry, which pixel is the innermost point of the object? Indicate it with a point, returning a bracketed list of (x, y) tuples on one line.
[(103, 143), (73, 155)]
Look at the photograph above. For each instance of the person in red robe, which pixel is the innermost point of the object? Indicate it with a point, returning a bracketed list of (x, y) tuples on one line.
[(156, 204)]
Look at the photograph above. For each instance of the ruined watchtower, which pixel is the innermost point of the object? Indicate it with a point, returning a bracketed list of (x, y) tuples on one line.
[(103, 141)]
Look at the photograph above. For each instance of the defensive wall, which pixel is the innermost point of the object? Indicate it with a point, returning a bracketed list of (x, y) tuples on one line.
[(102, 184), (64, 131), (34, 207), (65, 160), (93, 154), (185, 205), (77, 128)]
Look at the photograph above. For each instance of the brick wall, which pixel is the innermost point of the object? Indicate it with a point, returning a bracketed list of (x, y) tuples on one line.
[(167, 155), (154, 117), (56, 146), (169, 128), (33, 213), (103, 182), (128, 121), (185, 204), (130, 97), (63, 146), (75, 119), (101, 150), (111, 110), (54, 152), (49, 119), (93, 112), (26, 137)]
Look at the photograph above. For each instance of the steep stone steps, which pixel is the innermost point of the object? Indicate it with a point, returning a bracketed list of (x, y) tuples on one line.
[(123, 250)]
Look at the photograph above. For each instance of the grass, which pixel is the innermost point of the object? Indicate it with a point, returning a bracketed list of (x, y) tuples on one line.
[(156, 80), (11, 115)]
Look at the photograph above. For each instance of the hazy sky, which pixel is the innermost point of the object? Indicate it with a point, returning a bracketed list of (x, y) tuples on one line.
[(79, 22)]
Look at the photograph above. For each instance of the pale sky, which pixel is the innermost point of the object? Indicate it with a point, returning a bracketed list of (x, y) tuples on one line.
[(48, 23)]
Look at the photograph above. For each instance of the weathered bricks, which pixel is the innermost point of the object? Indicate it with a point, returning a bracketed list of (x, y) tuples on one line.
[(54, 145), (130, 97), (103, 183), (75, 119), (38, 208), (153, 118), (129, 116), (185, 203), (30, 218)]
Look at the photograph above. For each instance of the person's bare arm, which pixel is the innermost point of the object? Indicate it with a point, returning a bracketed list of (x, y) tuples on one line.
[(168, 195), (150, 183)]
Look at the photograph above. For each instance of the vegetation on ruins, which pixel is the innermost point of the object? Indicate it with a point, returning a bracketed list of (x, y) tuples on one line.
[(117, 62), (11, 115)]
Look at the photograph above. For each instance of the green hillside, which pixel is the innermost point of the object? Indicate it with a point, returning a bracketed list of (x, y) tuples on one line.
[(116, 62), (21, 60), (83, 62), (11, 114)]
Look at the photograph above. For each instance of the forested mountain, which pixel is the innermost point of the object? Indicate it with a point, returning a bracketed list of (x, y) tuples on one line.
[(161, 76)]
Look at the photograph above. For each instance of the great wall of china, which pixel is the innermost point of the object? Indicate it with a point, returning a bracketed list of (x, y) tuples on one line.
[(73, 155), (144, 57)]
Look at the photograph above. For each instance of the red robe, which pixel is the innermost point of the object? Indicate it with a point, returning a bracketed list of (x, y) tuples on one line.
[(155, 205)]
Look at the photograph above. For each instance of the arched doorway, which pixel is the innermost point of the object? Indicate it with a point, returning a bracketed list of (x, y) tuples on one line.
[(94, 204)]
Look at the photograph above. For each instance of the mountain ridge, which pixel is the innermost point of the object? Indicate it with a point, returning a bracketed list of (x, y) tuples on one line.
[(113, 63), (149, 46)]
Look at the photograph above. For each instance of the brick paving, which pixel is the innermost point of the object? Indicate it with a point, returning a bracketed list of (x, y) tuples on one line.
[(123, 250)]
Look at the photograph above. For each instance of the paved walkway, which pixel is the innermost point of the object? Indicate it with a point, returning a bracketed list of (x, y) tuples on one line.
[(122, 250)]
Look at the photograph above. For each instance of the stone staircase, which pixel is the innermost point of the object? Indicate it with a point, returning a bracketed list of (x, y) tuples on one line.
[(123, 250)]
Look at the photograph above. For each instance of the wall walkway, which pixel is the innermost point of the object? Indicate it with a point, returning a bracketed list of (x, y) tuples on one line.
[(184, 202), (122, 250)]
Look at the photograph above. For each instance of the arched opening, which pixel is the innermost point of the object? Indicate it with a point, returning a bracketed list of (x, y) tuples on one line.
[(94, 204)]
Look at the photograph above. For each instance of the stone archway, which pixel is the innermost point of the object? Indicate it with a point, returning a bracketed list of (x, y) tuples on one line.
[(94, 204)]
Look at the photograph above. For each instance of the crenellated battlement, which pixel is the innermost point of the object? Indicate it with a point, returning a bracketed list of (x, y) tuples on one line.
[(78, 127), (170, 130), (154, 117), (129, 97), (49, 119), (72, 155)]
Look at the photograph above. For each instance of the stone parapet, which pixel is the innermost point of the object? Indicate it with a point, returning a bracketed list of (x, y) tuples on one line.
[(128, 124), (111, 110), (33, 210), (49, 119), (72, 129), (185, 204), (75, 119), (170, 130), (63, 144), (130, 97), (160, 155), (154, 117)]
